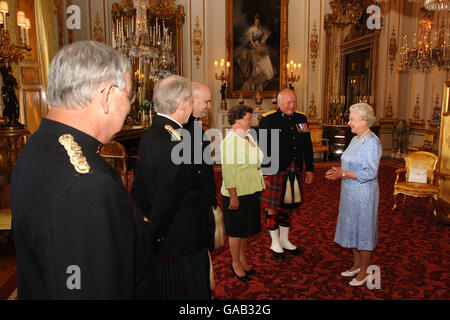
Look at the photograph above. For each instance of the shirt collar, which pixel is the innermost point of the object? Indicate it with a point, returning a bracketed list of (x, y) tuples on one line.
[(166, 116)]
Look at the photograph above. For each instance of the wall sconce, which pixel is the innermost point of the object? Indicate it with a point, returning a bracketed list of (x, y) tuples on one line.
[(9, 52), (293, 73), (222, 76)]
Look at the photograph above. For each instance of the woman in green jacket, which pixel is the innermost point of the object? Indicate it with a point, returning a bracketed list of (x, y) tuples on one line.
[(241, 186)]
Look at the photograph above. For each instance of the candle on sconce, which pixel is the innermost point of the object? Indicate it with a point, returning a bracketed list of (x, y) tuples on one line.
[(4, 11), (21, 24), (27, 27)]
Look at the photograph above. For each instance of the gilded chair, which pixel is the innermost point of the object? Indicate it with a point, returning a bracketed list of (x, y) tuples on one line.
[(418, 160), (319, 144), (428, 141), (116, 155)]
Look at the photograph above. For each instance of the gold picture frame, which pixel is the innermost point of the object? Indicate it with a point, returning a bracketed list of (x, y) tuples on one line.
[(271, 50)]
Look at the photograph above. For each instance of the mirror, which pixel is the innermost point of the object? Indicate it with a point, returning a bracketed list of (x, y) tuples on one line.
[(150, 33), (351, 53)]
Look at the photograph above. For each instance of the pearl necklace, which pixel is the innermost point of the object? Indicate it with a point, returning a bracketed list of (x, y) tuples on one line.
[(368, 130)]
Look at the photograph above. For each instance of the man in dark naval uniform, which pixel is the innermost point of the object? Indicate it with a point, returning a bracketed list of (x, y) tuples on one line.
[(77, 233), (201, 149), (169, 190), (295, 148)]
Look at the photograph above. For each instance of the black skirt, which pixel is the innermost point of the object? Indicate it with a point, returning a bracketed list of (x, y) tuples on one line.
[(246, 221)]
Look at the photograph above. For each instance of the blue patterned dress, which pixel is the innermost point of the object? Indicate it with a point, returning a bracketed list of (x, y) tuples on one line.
[(357, 225)]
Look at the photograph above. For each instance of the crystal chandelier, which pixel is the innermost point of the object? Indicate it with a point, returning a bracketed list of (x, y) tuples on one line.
[(423, 56), (148, 40)]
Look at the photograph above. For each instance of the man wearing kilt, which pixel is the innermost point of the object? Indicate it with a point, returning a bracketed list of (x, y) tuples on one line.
[(294, 147), (169, 192)]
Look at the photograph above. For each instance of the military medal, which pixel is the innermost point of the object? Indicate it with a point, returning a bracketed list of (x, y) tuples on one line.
[(302, 127)]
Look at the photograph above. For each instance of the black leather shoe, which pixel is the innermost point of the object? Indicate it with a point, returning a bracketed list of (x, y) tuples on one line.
[(278, 255), (243, 279), (295, 252), (250, 272)]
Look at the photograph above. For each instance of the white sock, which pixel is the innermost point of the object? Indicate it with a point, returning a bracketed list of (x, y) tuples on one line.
[(275, 241), (284, 240)]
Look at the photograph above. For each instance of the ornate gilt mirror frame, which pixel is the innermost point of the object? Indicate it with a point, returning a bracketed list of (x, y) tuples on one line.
[(346, 33)]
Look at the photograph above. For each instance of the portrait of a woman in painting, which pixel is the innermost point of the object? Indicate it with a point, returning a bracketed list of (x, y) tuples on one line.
[(256, 45)]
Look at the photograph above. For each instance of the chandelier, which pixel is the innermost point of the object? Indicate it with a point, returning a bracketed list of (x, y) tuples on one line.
[(139, 35), (434, 5), (423, 56), (10, 52)]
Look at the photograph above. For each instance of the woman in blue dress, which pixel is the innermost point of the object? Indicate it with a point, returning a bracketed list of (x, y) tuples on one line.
[(357, 226)]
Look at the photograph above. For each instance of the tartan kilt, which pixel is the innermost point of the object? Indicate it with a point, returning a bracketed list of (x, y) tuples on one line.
[(271, 197)]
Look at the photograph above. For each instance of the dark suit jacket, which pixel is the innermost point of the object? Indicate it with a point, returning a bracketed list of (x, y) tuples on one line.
[(294, 142), (63, 220), (170, 193)]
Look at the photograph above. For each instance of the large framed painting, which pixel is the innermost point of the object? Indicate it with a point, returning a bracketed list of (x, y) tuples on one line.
[(256, 46)]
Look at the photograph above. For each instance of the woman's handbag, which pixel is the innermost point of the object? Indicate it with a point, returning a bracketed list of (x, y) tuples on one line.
[(291, 196), (219, 233)]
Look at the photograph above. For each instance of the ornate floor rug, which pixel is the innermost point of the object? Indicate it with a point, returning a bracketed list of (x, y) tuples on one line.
[(413, 252)]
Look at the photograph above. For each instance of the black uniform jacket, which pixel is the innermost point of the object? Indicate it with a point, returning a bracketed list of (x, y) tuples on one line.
[(294, 139), (169, 192), (202, 160), (77, 236)]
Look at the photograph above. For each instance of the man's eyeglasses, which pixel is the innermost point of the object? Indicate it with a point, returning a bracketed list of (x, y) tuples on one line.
[(131, 95)]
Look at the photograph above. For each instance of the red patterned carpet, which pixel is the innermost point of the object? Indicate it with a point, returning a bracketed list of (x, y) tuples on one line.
[(413, 251)]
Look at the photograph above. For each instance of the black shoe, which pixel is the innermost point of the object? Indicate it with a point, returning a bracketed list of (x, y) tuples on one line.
[(243, 279), (295, 252), (278, 255), (250, 272)]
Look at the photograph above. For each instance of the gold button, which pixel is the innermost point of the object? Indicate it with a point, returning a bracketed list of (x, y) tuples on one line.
[(145, 219)]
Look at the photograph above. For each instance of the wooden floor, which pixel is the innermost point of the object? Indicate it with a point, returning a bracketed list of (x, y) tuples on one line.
[(7, 257)]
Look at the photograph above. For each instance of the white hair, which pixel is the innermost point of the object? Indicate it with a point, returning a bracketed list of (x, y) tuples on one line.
[(364, 111), (169, 92), (78, 69)]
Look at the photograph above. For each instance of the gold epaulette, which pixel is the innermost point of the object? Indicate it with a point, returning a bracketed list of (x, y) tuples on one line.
[(301, 112), (269, 113), (173, 132), (77, 159)]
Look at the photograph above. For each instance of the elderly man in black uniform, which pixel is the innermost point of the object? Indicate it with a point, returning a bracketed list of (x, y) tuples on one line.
[(170, 193), (295, 148), (77, 233)]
